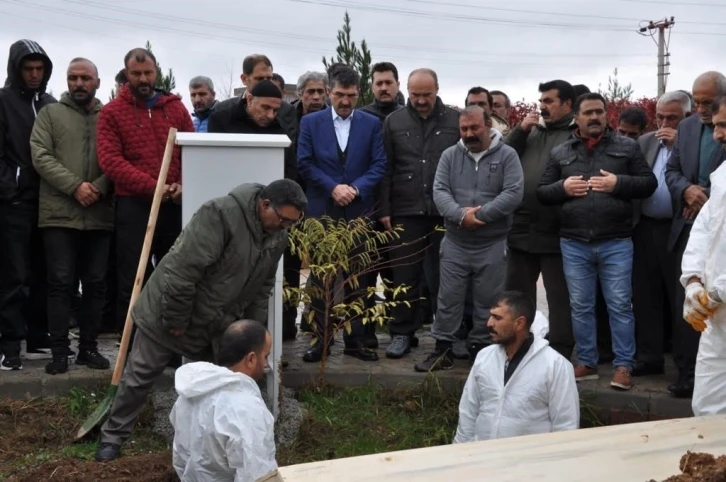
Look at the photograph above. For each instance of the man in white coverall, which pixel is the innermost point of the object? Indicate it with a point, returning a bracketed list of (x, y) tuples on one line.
[(223, 430), (519, 385), (703, 273)]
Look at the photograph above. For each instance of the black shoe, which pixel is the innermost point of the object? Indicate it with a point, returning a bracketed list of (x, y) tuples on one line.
[(361, 353), (644, 369), (683, 388), (400, 345), (370, 341), (314, 354), (59, 364), (10, 363), (92, 359), (437, 360), (107, 452)]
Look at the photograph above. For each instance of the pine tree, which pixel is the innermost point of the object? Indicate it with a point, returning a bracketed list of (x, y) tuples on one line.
[(348, 53), (616, 91), (166, 83)]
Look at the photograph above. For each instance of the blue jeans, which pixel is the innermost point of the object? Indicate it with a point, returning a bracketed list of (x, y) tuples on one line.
[(611, 262)]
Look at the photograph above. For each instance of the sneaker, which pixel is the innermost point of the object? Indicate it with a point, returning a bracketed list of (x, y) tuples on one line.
[(583, 373), (92, 359), (10, 363), (59, 364), (400, 345), (459, 350), (622, 379), (436, 361)]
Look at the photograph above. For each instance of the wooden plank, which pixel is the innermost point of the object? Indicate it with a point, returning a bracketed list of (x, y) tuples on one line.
[(632, 452)]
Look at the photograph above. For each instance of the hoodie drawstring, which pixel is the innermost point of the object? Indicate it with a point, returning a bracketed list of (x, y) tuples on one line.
[(32, 103)]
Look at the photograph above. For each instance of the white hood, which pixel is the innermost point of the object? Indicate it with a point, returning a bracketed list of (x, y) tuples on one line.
[(202, 378), (494, 135)]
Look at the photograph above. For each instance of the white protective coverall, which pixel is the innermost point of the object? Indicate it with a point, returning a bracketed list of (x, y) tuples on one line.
[(223, 430), (540, 397), (705, 258)]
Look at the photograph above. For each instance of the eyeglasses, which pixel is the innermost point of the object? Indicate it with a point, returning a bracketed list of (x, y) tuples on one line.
[(287, 222)]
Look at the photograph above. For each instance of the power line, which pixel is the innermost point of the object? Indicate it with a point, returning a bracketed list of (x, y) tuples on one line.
[(677, 4), (663, 55)]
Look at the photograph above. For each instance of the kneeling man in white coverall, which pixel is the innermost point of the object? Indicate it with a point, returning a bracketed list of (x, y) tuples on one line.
[(703, 273), (519, 385), (223, 430)]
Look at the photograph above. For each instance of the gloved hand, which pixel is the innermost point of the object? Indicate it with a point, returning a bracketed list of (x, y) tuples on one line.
[(695, 311)]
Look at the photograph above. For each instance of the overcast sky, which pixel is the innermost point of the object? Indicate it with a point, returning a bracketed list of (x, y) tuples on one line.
[(510, 46)]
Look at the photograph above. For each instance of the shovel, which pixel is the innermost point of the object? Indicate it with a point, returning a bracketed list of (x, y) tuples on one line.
[(100, 414)]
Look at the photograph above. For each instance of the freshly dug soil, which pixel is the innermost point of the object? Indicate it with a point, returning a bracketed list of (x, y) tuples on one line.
[(138, 468), (700, 467)]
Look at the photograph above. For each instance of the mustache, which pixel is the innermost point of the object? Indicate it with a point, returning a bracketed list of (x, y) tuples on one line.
[(80, 89), (544, 112), (594, 123), (471, 140)]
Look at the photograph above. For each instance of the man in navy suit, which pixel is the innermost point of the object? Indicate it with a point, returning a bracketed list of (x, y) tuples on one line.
[(341, 160), (695, 156)]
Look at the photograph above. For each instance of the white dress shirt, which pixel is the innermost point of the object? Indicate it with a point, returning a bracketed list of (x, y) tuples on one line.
[(342, 128)]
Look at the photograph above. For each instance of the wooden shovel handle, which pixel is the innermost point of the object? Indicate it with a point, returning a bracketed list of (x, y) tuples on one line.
[(145, 251)]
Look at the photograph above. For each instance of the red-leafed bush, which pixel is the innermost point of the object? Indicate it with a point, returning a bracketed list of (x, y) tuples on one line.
[(520, 109)]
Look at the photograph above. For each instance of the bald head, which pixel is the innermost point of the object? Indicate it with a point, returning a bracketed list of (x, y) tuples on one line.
[(423, 87), (244, 348), (84, 62), (706, 89), (83, 82)]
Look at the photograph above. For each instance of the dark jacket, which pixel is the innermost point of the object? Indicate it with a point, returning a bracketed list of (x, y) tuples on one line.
[(381, 109), (413, 148), (286, 116), (132, 139), (536, 227), (234, 120), (19, 107), (597, 216), (221, 269), (682, 170), (63, 144), (321, 169)]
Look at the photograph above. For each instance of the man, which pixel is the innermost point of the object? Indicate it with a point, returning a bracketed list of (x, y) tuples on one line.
[(500, 106), (414, 137), (75, 214), (695, 156), (632, 122), (201, 92), (120, 80), (654, 265), (312, 91), (478, 186), (257, 114), (534, 242), (704, 278), (279, 82), (22, 97), (221, 269), (520, 386), (132, 132), (223, 430), (341, 160), (386, 87), (481, 97), (596, 224)]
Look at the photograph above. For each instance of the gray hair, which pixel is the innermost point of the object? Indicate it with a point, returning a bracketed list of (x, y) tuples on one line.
[(718, 79), (200, 81), (676, 96), (310, 76)]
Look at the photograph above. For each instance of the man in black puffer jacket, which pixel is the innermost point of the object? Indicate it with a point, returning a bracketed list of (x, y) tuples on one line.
[(594, 176)]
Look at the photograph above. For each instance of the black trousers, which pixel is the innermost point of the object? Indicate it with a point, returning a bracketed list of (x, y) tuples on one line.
[(22, 262), (523, 271), (108, 319), (132, 217), (71, 255), (416, 254), (655, 276), (291, 265), (685, 338)]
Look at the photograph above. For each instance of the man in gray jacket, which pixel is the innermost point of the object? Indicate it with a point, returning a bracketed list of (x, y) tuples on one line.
[(478, 185)]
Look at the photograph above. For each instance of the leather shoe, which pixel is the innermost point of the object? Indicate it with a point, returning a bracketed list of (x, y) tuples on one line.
[(314, 354), (644, 369), (683, 388), (107, 452), (361, 353)]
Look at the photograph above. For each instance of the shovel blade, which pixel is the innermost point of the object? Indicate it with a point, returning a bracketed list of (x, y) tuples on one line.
[(99, 415)]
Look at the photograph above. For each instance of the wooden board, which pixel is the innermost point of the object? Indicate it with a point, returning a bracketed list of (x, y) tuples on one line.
[(634, 452)]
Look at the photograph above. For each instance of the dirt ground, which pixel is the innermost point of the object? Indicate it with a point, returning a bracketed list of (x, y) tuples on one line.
[(700, 467)]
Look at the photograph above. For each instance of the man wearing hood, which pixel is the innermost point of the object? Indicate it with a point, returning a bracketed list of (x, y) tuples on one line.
[(75, 214), (478, 185), (223, 430), (132, 132), (22, 97), (534, 244), (201, 92), (221, 269)]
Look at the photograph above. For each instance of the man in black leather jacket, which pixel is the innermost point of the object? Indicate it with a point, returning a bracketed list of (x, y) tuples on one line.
[(594, 176)]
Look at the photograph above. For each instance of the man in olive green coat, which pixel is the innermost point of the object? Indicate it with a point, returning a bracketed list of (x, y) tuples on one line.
[(75, 214), (221, 269)]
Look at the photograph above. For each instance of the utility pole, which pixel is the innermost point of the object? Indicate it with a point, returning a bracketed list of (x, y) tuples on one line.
[(663, 54)]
